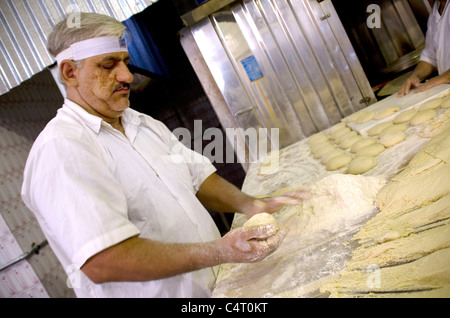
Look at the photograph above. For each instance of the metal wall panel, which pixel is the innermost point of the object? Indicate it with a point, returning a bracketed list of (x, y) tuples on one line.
[(25, 25), (311, 77)]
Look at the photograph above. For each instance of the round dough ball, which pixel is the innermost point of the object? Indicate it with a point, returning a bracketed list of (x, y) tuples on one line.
[(361, 165), (362, 143), (431, 104), (405, 116), (330, 155), (392, 138), (398, 127), (323, 150), (422, 116), (445, 102), (364, 117), (370, 150), (339, 162), (348, 142), (386, 112), (375, 130), (261, 219)]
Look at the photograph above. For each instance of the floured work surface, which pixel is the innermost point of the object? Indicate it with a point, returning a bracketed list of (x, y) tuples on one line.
[(405, 249), (338, 253)]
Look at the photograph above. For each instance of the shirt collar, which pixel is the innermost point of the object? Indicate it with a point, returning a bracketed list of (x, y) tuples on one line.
[(94, 122), (129, 116)]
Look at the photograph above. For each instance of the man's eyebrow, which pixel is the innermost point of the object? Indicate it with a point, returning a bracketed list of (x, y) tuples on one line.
[(113, 58)]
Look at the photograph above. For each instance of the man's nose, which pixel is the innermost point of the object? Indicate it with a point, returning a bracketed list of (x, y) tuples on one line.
[(124, 75)]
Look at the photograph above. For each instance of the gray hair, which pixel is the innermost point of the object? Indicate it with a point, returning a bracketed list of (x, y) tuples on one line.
[(90, 25)]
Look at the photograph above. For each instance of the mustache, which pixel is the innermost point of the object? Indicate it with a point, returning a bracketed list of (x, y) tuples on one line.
[(121, 86)]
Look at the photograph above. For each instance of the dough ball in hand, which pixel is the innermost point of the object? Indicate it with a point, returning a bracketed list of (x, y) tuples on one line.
[(262, 219)]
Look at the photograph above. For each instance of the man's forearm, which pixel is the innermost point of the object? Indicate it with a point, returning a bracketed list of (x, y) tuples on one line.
[(422, 70), (220, 195), (138, 259)]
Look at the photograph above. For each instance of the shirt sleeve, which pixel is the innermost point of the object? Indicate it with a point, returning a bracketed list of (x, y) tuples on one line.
[(200, 167), (429, 52), (79, 205)]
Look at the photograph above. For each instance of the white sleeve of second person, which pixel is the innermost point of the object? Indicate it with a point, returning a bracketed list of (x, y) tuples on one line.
[(77, 202)]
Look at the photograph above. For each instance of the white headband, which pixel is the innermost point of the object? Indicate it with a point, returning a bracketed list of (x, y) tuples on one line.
[(93, 47)]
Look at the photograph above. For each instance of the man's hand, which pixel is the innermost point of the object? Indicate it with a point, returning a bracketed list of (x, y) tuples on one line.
[(435, 81), (412, 82), (247, 245), (274, 204)]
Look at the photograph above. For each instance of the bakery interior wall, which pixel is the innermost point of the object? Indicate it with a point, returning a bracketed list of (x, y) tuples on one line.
[(173, 96)]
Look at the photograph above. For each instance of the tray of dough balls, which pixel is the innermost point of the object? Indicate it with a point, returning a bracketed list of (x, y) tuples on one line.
[(413, 108), (387, 144)]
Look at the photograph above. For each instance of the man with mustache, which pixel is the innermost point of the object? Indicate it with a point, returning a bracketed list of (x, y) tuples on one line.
[(108, 195)]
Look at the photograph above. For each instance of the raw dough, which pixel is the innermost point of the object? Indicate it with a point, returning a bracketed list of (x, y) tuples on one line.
[(261, 219), (339, 162), (393, 127), (405, 116), (345, 136), (431, 104), (362, 143), (386, 112), (317, 138), (371, 150), (446, 102), (323, 150), (429, 272), (392, 138), (365, 116), (422, 116), (375, 130), (339, 132), (336, 127), (330, 155), (347, 143), (361, 165)]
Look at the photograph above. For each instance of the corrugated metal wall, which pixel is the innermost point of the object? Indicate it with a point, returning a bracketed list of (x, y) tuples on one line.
[(25, 25)]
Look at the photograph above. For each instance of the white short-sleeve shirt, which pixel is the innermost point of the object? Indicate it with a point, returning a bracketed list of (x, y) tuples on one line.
[(437, 42), (91, 187)]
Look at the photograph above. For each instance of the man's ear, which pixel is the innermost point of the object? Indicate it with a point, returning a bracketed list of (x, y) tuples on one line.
[(67, 70)]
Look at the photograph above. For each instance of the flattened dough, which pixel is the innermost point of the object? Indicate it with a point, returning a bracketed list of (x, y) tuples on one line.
[(361, 164), (371, 150), (393, 127), (405, 116), (362, 143), (338, 162), (348, 142), (431, 104), (392, 138), (445, 102), (365, 116), (375, 130), (422, 116), (386, 112), (261, 219)]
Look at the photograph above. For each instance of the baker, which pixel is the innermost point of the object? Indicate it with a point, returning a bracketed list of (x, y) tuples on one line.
[(435, 55), (111, 194)]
